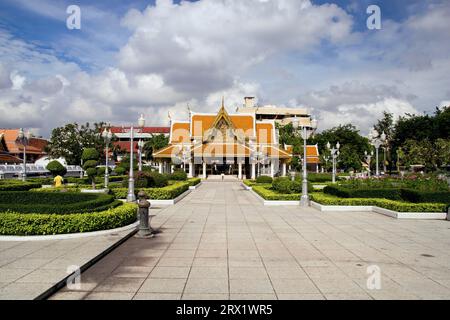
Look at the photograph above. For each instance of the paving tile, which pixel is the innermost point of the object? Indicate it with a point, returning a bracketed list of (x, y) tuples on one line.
[(152, 285), (157, 296), (251, 286), (175, 262), (170, 272), (253, 296), (195, 285), (294, 286), (208, 272), (109, 296), (300, 296), (205, 296), (116, 284), (248, 273), (132, 272)]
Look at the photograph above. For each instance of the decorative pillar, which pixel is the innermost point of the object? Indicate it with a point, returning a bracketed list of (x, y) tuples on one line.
[(172, 169), (272, 169), (240, 171), (284, 169), (160, 167), (204, 170), (253, 171), (317, 168), (191, 170)]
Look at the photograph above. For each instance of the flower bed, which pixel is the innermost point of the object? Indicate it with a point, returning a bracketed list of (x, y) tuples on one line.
[(400, 206), (13, 223)]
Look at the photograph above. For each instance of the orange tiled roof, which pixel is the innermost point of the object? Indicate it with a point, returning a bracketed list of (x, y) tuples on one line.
[(36, 145), (180, 132), (264, 133), (202, 123)]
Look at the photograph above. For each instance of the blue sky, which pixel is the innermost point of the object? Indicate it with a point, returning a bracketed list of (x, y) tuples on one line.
[(141, 56)]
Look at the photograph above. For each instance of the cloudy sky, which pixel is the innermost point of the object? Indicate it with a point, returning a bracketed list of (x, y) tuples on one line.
[(133, 57)]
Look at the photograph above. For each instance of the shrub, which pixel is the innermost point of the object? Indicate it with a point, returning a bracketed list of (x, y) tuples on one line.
[(178, 176), (422, 196), (17, 185), (194, 181), (54, 202), (285, 185), (392, 194), (264, 179), (166, 193), (120, 170), (270, 194), (156, 180), (90, 158), (12, 223), (394, 205), (56, 168), (319, 177)]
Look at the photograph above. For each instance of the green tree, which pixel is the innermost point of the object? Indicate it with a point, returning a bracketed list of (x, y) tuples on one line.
[(90, 158), (352, 144), (155, 143), (70, 141)]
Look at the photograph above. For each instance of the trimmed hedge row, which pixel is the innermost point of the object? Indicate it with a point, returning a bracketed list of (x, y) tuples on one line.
[(269, 194), (16, 185), (55, 203), (392, 194), (399, 206), (49, 224), (194, 181), (167, 193), (409, 195)]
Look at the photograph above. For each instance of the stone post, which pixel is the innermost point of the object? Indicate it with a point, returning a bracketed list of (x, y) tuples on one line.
[(240, 171), (204, 170), (145, 230), (253, 171)]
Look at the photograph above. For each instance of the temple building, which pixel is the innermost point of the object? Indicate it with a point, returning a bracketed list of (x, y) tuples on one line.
[(232, 144), (12, 150)]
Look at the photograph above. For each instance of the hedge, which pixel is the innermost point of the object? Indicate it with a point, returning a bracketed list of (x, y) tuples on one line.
[(269, 194), (16, 185), (12, 223), (166, 193), (320, 177), (264, 179), (399, 206), (55, 203), (194, 181), (392, 194), (410, 195)]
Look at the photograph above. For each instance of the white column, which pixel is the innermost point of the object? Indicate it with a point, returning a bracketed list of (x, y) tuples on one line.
[(240, 171), (284, 169), (191, 170), (160, 167), (204, 170), (253, 171), (317, 168), (272, 169), (172, 168)]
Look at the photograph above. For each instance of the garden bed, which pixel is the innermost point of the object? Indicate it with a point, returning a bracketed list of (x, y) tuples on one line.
[(15, 223), (17, 185)]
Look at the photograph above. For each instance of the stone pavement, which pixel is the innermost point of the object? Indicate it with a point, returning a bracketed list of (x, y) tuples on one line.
[(30, 268), (220, 242)]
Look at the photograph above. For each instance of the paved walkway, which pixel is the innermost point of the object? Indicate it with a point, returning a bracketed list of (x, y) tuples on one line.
[(30, 268), (221, 243)]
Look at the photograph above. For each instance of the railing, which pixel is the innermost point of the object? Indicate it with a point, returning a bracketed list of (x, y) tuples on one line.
[(10, 171)]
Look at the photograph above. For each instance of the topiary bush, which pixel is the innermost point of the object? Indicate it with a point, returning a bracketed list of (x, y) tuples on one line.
[(90, 158), (286, 186), (17, 185), (157, 180), (56, 168), (120, 171), (13, 223), (264, 179)]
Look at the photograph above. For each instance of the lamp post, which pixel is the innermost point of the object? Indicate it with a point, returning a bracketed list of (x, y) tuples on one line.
[(306, 133), (131, 197), (377, 140), (24, 140), (368, 159), (334, 155), (107, 136), (141, 146)]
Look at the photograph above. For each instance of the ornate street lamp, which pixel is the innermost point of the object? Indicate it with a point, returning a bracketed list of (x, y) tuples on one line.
[(107, 136), (24, 140), (306, 132), (377, 140), (334, 155), (368, 159), (131, 197)]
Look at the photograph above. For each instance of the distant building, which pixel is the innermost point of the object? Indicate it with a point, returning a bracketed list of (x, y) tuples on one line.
[(11, 150), (280, 115), (123, 136)]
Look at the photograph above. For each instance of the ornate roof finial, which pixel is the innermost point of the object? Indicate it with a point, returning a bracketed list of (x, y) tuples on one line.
[(223, 102)]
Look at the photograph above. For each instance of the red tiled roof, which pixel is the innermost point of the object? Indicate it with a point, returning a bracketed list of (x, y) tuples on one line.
[(36, 145), (150, 130), (7, 158), (125, 145)]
